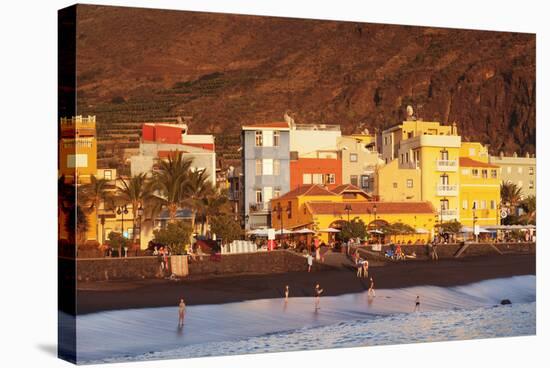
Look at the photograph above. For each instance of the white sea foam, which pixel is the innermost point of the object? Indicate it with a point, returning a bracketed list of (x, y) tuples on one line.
[(464, 312)]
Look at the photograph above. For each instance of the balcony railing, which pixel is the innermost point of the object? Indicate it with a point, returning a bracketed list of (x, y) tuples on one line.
[(260, 207), (447, 190), (449, 214), (447, 165)]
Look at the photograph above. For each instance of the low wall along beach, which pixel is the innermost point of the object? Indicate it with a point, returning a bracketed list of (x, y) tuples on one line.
[(280, 261)]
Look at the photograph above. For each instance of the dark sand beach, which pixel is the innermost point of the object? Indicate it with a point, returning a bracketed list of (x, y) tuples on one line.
[(112, 295)]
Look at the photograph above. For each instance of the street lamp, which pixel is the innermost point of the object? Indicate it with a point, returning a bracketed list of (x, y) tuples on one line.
[(122, 210), (140, 216), (347, 209), (474, 219)]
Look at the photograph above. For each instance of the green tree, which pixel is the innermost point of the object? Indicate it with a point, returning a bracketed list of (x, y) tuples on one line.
[(355, 228), (175, 235), (211, 205), (451, 227), (116, 240), (195, 189), (136, 192), (398, 228), (92, 195), (226, 228), (169, 184), (510, 195)]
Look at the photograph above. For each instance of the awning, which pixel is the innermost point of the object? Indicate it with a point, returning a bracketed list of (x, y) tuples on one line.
[(329, 230), (304, 231)]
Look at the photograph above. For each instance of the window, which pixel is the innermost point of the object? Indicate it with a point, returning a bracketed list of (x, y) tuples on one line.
[(276, 138), (484, 173), (268, 138), (267, 166), (464, 204), (483, 204), (289, 207), (475, 204), (394, 185), (353, 157), (259, 167), (353, 180), (531, 184), (259, 138), (276, 193), (493, 174), (520, 170), (444, 204), (365, 181), (276, 167), (317, 179), (409, 183), (472, 151), (259, 196), (444, 155), (531, 171), (402, 158), (108, 175), (493, 204), (330, 178), (475, 172), (306, 178), (268, 194), (407, 157), (465, 171), (444, 179)]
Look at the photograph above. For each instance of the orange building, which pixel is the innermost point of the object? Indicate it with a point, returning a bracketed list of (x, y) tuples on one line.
[(325, 171)]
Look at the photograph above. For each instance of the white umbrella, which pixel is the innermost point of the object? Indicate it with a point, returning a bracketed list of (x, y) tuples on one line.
[(258, 232), (284, 231), (419, 230), (304, 231), (375, 232), (329, 230)]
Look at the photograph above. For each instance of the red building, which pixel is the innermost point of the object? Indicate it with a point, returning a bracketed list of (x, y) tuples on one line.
[(324, 171), (170, 133)]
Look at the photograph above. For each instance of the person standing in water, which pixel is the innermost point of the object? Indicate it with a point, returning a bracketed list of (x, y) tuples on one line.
[(318, 292), (371, 291), (286, 293), (417, 304), (181, 312)]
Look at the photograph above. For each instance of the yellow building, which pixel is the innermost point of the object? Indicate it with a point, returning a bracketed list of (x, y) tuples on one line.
[(479, 186), (314, 207), (77, 163), (426, 161), (429, 149)]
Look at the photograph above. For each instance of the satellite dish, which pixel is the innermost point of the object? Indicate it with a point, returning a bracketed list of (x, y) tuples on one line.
[(410, 111)]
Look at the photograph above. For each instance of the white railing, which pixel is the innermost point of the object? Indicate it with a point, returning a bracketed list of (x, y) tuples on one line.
[(260, 207), (447, 165), (447, 190), (449, 214)]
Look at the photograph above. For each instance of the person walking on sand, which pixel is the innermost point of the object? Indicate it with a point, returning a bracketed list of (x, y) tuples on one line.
[(371, 291), (309, 262), (181, 312), (286, 293), (417, 304), (318, 292)]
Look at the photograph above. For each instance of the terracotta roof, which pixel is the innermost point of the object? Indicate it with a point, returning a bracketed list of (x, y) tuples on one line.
[(329, 208), (346, 188), (311, 190), (468, 162), (276, 124)]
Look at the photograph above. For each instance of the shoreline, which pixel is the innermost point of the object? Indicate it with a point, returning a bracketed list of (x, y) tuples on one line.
[(114, 295)]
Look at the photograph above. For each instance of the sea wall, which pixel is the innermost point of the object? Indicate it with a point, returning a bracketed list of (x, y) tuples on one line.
[(473, 249), (98, 269)]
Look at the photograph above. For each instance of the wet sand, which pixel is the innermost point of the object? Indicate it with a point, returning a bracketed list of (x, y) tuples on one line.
[(101, 296)]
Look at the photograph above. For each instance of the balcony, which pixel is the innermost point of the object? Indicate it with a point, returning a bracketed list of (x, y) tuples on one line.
[(449, 214), (447, 165), (447, 190), (260, 207)]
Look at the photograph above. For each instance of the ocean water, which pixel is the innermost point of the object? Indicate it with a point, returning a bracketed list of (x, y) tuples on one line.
[(270, 325)]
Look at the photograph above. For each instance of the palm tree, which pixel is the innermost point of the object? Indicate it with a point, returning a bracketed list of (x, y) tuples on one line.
[(510, 194), (168, 184), (196, 187), (211, 205), (135, 191), (91, 195)]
